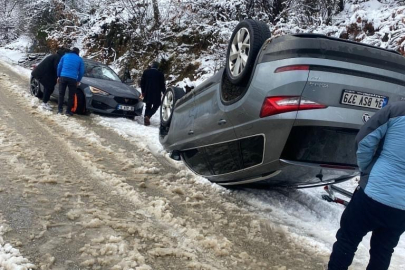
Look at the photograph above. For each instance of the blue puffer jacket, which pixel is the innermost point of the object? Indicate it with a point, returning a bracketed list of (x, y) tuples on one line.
[(72, 66), (381, 155)]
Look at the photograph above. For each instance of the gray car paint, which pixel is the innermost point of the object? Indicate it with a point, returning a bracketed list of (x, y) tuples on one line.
[(202, 113)]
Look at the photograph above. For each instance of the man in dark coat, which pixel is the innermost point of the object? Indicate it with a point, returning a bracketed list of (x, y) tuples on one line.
[(152, 86), (45, 73)]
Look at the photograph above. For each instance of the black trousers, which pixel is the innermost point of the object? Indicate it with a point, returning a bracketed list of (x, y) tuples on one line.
[(72, 85), (361, 216), (151, 108), (47, 94)]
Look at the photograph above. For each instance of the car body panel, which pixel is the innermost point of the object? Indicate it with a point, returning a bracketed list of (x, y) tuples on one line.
[(183, 121), (301, 148), (211, 121)]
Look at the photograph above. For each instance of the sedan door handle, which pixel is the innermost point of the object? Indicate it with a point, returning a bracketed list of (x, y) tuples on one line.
[(222, 122), (190, 132)]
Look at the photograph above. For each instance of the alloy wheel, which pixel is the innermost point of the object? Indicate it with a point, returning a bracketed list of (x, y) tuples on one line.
[(167, 106), (34, 87), (238, 56)]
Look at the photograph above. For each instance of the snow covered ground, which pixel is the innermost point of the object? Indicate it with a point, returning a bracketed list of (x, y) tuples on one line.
[(302, 213)]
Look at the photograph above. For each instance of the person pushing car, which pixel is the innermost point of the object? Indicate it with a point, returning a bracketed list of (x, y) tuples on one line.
[(45, 73), (378, 205), (70, 72)]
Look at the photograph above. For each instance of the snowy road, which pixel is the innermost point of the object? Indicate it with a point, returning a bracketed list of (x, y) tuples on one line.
[(75, 196), (93, 192)]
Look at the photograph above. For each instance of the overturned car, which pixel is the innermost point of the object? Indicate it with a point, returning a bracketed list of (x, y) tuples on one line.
[(284, 111)]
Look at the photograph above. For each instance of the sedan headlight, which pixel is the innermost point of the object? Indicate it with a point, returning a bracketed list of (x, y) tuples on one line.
[(97, 91)]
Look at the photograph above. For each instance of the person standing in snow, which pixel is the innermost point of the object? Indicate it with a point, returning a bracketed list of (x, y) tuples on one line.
[(152, 86), (378, 205), (70, 72), (45, 73)]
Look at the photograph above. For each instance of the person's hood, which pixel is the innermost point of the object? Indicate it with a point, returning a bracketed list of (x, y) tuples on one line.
[(115, 88)]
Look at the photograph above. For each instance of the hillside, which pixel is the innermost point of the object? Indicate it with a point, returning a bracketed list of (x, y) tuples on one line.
[(189, 38)]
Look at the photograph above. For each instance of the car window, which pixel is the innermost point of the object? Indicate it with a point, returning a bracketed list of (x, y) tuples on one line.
[(100, 72), (196, 160), (252, 151), (226, 157)]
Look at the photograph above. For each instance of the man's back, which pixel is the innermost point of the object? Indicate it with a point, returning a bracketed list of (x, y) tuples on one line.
[(385, 136), (153, 77), (152, 84), (71, 66)]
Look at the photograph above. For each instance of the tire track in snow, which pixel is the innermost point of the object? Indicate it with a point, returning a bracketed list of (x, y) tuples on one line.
[(180, 222)]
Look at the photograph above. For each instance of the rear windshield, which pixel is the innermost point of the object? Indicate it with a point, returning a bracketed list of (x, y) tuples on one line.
[(93, 70)]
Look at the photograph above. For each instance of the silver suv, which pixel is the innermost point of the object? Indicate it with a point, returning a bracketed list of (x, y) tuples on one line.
[(284, 111)]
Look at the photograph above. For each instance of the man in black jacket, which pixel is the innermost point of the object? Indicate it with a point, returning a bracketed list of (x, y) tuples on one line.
[(45, 73), (152, 86)]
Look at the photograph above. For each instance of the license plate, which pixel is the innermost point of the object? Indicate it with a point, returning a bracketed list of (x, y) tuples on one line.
[(126, 108), (362, 99)]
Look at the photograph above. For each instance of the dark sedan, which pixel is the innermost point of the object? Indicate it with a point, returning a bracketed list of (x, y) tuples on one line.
[(101, 91)]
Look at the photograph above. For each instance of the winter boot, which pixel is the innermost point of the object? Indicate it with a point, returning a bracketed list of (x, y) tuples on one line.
[(46, 106), (146, 120)]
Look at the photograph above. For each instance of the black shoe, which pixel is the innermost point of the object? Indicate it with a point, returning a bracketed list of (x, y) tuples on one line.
[(59, 111), (146, 120), (69, 114)]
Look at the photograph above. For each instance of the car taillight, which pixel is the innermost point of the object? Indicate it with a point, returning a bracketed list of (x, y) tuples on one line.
[(292, 68), (277, 105)]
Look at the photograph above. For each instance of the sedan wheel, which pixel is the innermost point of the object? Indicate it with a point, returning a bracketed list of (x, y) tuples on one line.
[(169, 100), (35, 88)]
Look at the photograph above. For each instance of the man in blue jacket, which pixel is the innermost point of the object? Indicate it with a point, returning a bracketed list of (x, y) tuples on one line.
[(378, 205), (70, 73)]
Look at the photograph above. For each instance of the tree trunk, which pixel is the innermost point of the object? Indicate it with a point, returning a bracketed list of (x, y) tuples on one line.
[(156, 13)]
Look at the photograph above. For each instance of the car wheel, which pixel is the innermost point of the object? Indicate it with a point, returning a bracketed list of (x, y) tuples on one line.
[(36, 89), (243, 48), (170, 98), (79, 103)]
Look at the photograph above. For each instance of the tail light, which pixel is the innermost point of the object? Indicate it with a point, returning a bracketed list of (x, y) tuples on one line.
[(277, 105), (292, 68)]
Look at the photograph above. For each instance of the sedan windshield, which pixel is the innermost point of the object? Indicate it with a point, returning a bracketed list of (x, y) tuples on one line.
[(92, 70)]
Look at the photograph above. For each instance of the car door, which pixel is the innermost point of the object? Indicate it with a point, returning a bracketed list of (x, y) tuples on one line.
[(182, 125), (211, 122)]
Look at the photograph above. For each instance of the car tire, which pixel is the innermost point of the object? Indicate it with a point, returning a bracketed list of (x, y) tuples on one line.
[(169, 100), (79, 103), (241, 59), (36, 88)]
